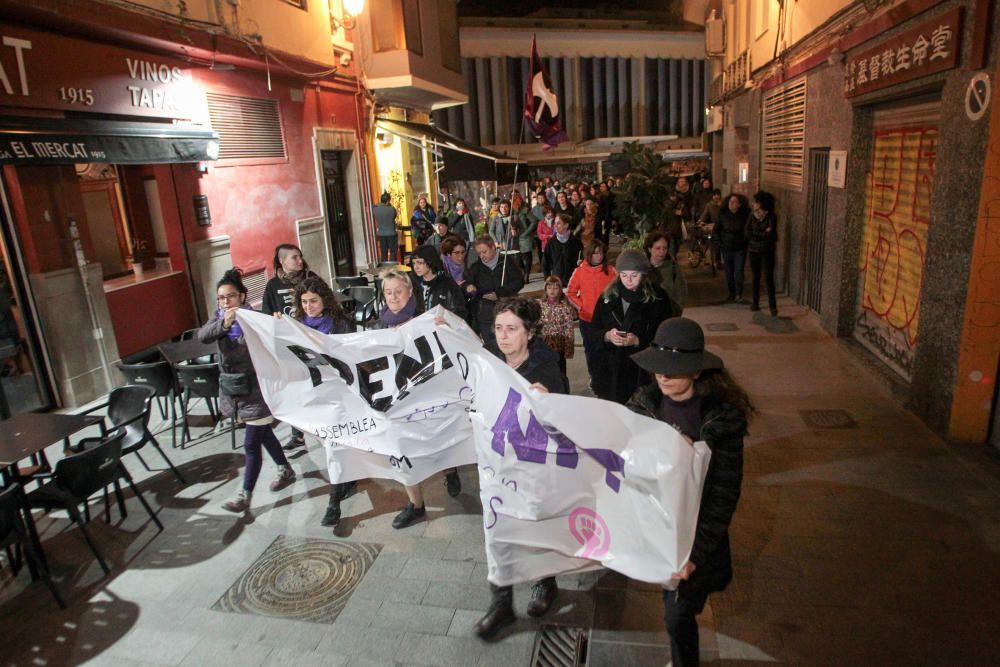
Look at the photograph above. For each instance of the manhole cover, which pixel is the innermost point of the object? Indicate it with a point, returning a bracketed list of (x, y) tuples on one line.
[(827, 419), (300, 579), (722, 326), (560, 646)]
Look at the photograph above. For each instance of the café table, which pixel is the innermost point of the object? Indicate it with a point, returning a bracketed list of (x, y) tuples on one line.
[(26, 435), (185, 350)]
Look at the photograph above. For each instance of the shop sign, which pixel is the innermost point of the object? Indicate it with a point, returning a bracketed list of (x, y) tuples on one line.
[(931, 47), (45, 71)]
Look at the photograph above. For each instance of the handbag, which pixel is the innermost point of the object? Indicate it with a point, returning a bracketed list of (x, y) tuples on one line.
[(235, 384)]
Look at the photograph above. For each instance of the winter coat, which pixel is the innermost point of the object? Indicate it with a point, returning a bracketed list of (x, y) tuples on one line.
[(385, 219), (422, 222), (544, 231), (279, 296), (558, 326), (669, 277), (526, 239), (234, 357), (616, 376), (722, 428), (731, 230), (504, 230), (762, 235), (562, 258), (441, 290), (586, 286), (541, 366), (463, 226), (503, 283)]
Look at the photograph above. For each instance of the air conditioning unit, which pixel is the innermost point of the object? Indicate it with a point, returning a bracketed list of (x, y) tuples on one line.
[(715, 35)]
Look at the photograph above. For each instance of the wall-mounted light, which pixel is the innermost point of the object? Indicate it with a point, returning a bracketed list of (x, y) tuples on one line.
[(352, 9)]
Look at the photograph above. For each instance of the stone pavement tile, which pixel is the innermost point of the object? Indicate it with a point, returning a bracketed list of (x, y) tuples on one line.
[(422, 649), (458, 595), (629, 616), (358, 612), (210, 652), (466, 550), (417, 547), (508, 650), (463, 622), (399, 616), (479, 573), (614, 654), (437, 570), (392, 590), (283, 633), (199, 621), (105, 660), (288, 657), (357, 643), (164, 646), (388, 565)]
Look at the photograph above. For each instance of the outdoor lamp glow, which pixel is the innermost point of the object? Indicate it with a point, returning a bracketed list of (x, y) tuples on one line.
[(354, 7)]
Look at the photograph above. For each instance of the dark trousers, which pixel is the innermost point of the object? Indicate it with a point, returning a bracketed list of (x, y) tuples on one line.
[(680, 611), (258, 437), (388, 248), (762, 262), (526, 261), (734, 261), (542, 259), (590, 345)]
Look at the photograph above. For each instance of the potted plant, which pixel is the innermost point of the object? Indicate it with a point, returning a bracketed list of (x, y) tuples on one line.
[(644, 193), (138, 251)]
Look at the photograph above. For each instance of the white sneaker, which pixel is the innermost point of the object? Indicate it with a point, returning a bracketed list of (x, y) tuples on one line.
[(284, 478), (241, 503)]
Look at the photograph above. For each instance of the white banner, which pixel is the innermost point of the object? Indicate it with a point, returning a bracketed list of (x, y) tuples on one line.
[(567, 483)]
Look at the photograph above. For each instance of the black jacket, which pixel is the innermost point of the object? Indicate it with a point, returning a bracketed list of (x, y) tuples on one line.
[(616, 376), (234, 357), (722, 427), (494, 281), (563, 257), (279, 297), (442, 290), (762, 235), (731, 230), (541, 366)]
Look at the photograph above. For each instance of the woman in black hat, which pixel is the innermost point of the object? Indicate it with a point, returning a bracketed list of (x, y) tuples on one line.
[(625, 318), (692, 391)]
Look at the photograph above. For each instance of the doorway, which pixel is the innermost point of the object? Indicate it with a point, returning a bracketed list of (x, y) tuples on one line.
[(819, 165), (337, 214)]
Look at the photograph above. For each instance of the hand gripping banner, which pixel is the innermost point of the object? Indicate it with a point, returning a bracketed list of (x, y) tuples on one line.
[(568, 483)]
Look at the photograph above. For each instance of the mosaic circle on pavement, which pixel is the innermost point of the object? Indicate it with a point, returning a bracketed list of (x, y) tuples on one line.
[(301, 579)]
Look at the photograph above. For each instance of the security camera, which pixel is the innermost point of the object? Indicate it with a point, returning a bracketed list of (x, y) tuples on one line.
[(345, 59)]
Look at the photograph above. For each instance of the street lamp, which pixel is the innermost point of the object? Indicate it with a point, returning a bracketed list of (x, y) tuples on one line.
[(352, 8)]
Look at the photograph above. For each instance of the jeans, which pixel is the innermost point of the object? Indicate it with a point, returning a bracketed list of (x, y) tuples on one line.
[(388, 248), (257, 437), (680, 611), (734, 261), (762, 261)]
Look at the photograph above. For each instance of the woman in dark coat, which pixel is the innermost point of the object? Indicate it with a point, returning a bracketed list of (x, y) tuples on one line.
[(435, 285), (762, 239), (563, 251), (519, 343), (625, 319), (692, 392), (730, 233), (248, 405), (290, 269), (494, 276)]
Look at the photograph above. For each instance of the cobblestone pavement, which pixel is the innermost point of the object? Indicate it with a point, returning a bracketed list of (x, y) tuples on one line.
[(861, 538)]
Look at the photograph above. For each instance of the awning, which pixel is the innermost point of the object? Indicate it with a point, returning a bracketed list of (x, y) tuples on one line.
[(462, 161), (75, 141)]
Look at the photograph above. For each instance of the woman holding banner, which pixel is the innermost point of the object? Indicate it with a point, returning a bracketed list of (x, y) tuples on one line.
[(401, 306), (239, 393), (317, 307), (517, 326), (694, 394)]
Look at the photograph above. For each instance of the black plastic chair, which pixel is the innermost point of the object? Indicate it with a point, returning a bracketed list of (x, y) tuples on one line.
[(160, 377), (351, 281), (128, 408), (79, 476), (14, 534), (365, 311), (198, 381)]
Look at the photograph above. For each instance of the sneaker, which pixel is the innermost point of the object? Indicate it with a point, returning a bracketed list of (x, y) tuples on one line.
[(297, 440), (453, 483), (241, 503), (332, 516), (408, 516), (543, 594), (284, 477)]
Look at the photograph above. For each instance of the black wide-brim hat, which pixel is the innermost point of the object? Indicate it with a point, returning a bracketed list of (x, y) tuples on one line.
[(678, 348)]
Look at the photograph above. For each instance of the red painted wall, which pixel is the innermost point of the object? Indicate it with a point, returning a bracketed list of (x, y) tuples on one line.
[(135, 330)]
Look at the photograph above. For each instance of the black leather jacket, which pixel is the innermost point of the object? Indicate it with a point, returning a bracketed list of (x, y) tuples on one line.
[(442, 290)]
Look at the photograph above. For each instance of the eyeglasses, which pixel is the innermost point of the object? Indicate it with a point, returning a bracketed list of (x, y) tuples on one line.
[(227, 297)]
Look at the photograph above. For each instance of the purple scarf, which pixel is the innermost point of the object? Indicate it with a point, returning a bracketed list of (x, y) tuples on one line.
[(391, 319), (322, 324), (235, 332), (456, 270)]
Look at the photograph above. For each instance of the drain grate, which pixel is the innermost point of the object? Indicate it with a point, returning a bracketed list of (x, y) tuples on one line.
[(828, 419), (722, 326), (560, 646)]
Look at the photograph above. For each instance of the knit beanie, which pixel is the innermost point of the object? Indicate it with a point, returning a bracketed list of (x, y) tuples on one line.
[(632, 260)]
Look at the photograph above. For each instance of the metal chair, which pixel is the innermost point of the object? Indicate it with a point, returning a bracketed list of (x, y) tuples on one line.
[(79, 476), (160, 377), (351, 281), (365, 299), (128, 408), (198, 381), (14, 534)]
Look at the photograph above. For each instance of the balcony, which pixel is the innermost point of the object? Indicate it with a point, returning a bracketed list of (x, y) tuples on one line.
[(732, 81)]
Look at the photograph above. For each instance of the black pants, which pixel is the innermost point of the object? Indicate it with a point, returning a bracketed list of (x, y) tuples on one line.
[(762, 261), (526, 262), (734, 261), (680, 611)]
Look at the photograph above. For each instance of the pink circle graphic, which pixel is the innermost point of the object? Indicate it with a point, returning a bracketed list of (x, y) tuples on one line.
[(590, 530)]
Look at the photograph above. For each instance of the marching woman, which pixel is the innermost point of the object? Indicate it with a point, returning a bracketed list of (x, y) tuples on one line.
[(563, 251), (401, 306), (317, 307), (665, 273), (289, 270), (544, 232), (435, 284), (422, 220), (693, 392), (239, 392), (517, 328), (461, 224), (454, 250), (585, 288), (558, 323), (762, 238), (504, 228), (625, 319)]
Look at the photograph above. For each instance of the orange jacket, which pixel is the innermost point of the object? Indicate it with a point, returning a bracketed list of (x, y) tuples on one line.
[(585, 287)]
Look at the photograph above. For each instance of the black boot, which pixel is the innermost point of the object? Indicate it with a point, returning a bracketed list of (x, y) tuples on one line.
[(543, 594), (453, 483), (409, 515), (500, 613), (332, 516)]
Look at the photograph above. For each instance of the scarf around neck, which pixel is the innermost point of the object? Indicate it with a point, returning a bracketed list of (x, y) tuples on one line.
[(455, 270), (391, 319), (563, 238), (293, 278), (322, 324)]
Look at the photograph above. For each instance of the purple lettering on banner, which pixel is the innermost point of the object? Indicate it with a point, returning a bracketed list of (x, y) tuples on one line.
[(566, 454), (528, 446), (493, 511), (612, 462)]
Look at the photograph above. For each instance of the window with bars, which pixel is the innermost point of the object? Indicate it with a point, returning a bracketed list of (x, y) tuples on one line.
[(783, 134), (248, 127)]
